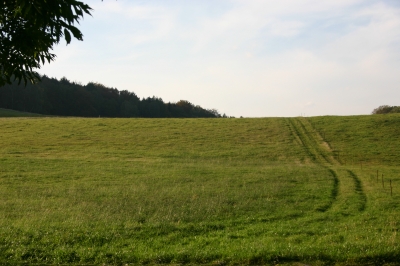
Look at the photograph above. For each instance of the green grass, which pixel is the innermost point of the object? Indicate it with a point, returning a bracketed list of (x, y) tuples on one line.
[(372, 140), (199, 191)]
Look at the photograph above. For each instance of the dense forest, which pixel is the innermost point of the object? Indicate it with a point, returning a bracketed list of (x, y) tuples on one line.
[(65, 98)]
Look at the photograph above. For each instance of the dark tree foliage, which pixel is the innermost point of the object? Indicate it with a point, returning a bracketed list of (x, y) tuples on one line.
[(28, 31), (386, 109), (65, 98)]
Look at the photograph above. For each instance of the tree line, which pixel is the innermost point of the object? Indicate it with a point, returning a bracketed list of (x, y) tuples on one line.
[(62, 97), (386, 109)]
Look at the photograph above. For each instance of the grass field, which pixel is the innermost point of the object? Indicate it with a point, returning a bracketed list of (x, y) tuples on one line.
[(200, 191)]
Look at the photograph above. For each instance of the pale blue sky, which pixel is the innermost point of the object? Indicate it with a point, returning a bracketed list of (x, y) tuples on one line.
[(251, 58)]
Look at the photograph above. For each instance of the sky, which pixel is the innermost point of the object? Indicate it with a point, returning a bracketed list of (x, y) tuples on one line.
[(250, 58)]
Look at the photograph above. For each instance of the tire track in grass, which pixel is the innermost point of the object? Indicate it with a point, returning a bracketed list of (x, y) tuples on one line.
[(359, 191), (334, 192), (325, 155), (356, 198), (309, 145), (300, 139), (347, 194)]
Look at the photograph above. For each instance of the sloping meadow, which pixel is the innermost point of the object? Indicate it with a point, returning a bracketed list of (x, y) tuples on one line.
[(248, 191)]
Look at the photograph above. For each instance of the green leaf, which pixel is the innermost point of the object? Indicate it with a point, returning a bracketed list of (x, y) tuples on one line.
[(26, 10), (77, 33), (67, 36)]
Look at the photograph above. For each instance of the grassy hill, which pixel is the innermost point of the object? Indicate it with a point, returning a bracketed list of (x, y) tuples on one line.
[(200, 191), (13, 113)]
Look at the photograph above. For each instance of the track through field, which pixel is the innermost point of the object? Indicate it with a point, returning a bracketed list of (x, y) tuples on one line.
[(347, 195)]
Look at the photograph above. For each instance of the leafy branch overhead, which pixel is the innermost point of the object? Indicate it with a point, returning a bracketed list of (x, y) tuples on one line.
[(28, 31)]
